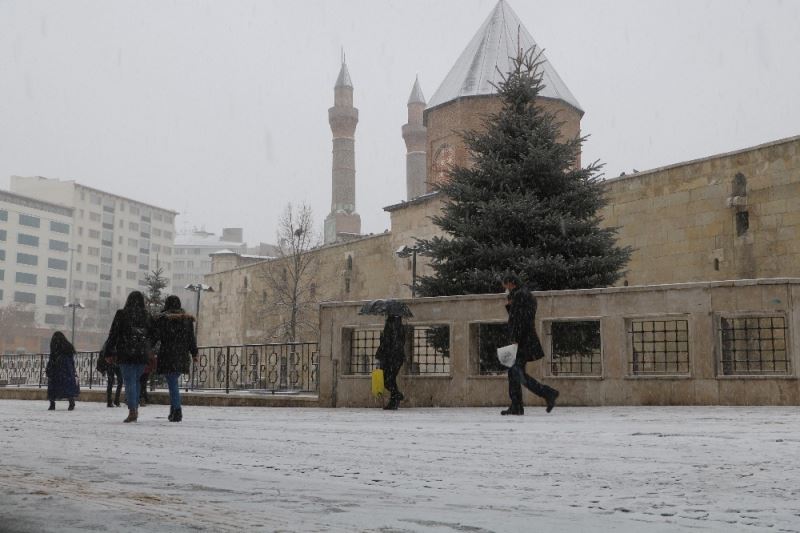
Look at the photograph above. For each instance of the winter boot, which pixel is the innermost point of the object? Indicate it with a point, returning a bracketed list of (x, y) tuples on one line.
[(171, 413), (109, 404), (394, 403), (116, 403), (178, 415), (133, 415), (513, 410), (551, 400), (71, 405), (52, 406)]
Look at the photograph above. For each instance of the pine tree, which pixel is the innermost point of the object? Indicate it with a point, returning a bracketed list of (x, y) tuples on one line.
[(525, 206), (156, 282)]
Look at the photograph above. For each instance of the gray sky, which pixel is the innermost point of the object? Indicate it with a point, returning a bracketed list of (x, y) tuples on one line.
[(219, 109)]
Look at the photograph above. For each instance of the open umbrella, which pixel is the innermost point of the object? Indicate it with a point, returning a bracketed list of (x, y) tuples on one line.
[(386, 307)]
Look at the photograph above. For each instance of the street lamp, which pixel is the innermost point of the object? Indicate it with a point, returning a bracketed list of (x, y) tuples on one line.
[(198, 288), (410, 251), (73, 306)]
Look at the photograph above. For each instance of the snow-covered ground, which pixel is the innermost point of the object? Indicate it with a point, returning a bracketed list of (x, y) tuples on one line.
[(625, 469)]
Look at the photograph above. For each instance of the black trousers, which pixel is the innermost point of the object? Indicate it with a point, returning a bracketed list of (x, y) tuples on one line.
[(143, 379), (112, 373), (390, 380), (517, 377)]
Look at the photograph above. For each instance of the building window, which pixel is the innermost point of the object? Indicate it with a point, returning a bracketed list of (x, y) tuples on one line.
[(3, 215), (30, 221), (94, 234), (742, 223), (575, 348), (131, 259), (363, 345), (2, 235), (27, 240), (94, 217), (430, 349), (2, 274), (58, 283), (56, 301), (2, 255), (24, 277), (24, 297), (131, 275), (92, 269), (754, 345), (133, 243), (659, 347), (59, 227), (91, 286), (59, 246), (56, 264), (27, 259), (94, 251), (55, 320)]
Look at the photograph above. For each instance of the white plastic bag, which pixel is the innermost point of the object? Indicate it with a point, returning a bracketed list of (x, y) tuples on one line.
[(507, 355)]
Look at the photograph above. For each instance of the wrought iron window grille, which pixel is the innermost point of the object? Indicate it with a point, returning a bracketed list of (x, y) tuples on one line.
[(659, 347), (754, 345)]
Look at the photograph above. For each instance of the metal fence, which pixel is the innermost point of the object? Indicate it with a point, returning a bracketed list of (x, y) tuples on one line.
[(277, 367)]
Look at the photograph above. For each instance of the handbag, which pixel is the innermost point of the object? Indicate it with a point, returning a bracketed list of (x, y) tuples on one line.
[(507, 355), (377, 383)]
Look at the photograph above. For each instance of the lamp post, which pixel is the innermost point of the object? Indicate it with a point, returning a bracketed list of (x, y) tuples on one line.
[(410, 251), (198, 288), (73, 306)]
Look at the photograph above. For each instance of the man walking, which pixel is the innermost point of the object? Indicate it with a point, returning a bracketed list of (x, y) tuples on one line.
[(521, 307)]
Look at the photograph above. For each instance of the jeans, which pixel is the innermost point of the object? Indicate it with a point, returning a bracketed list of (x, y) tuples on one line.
[(174, 389), (130, 375), (517, 377)]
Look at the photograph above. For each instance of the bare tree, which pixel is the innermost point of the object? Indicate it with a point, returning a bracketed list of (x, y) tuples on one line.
[(290, 277)]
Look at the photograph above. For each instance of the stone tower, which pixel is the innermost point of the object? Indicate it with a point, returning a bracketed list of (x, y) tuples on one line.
[(343, 221), (468, 93), (415, 134)]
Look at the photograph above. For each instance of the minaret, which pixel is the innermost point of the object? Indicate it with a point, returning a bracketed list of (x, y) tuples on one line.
[(415, 134), (343, 118)]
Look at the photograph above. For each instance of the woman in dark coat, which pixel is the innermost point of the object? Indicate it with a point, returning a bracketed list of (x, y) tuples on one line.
[(391, 354), (129, 344), (174, 329), (521, 307), (62, 379)]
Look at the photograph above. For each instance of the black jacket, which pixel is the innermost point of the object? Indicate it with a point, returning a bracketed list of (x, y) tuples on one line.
[(126, 337), (174, 329), (521, 315), (391, 351)]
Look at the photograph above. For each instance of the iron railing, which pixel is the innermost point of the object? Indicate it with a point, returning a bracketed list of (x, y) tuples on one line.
[(275, 367)]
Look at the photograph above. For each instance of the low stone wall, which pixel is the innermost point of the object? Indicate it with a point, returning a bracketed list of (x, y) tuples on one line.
[(714, 343)]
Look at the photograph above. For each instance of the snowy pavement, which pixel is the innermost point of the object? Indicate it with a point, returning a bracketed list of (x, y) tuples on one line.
[(626, 469)]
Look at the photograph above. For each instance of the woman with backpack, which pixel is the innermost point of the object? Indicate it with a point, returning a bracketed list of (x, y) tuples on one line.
[(61, 376), (174, 329), (129, 344)]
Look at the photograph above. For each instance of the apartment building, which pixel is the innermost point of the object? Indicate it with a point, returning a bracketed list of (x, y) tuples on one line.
[(115, 242), (34, 270)]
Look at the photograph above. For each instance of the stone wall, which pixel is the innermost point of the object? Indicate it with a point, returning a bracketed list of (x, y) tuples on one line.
[(621, 378), (682, 219), (243, 308)]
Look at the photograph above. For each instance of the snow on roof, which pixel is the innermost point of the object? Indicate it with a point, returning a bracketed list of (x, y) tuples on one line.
[(489, 54)]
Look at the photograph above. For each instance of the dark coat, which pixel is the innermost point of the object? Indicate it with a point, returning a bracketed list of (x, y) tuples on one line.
[(62, 379), (521, 315), (391, 351), (123, 336), (174, 329)]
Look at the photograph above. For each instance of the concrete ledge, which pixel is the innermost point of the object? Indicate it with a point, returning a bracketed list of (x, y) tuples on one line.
[(237, 399)]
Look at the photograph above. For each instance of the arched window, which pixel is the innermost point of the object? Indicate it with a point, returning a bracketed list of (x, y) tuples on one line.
[(349, 262), (739, 185)]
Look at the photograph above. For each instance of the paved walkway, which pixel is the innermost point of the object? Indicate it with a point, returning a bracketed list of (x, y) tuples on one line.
[(435, 470)]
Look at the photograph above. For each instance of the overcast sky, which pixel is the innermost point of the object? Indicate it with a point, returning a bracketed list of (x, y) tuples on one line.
[(218, 110)]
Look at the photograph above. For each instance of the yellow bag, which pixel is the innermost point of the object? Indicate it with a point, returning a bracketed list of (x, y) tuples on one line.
[(377, 383)]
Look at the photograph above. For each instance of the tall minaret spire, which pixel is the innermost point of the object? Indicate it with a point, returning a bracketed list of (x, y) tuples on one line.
[(415, 134), (343, 118)]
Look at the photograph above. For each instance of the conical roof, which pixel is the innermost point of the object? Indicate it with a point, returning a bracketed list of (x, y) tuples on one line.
[(344, 77), (416, 96), (492, 49)]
